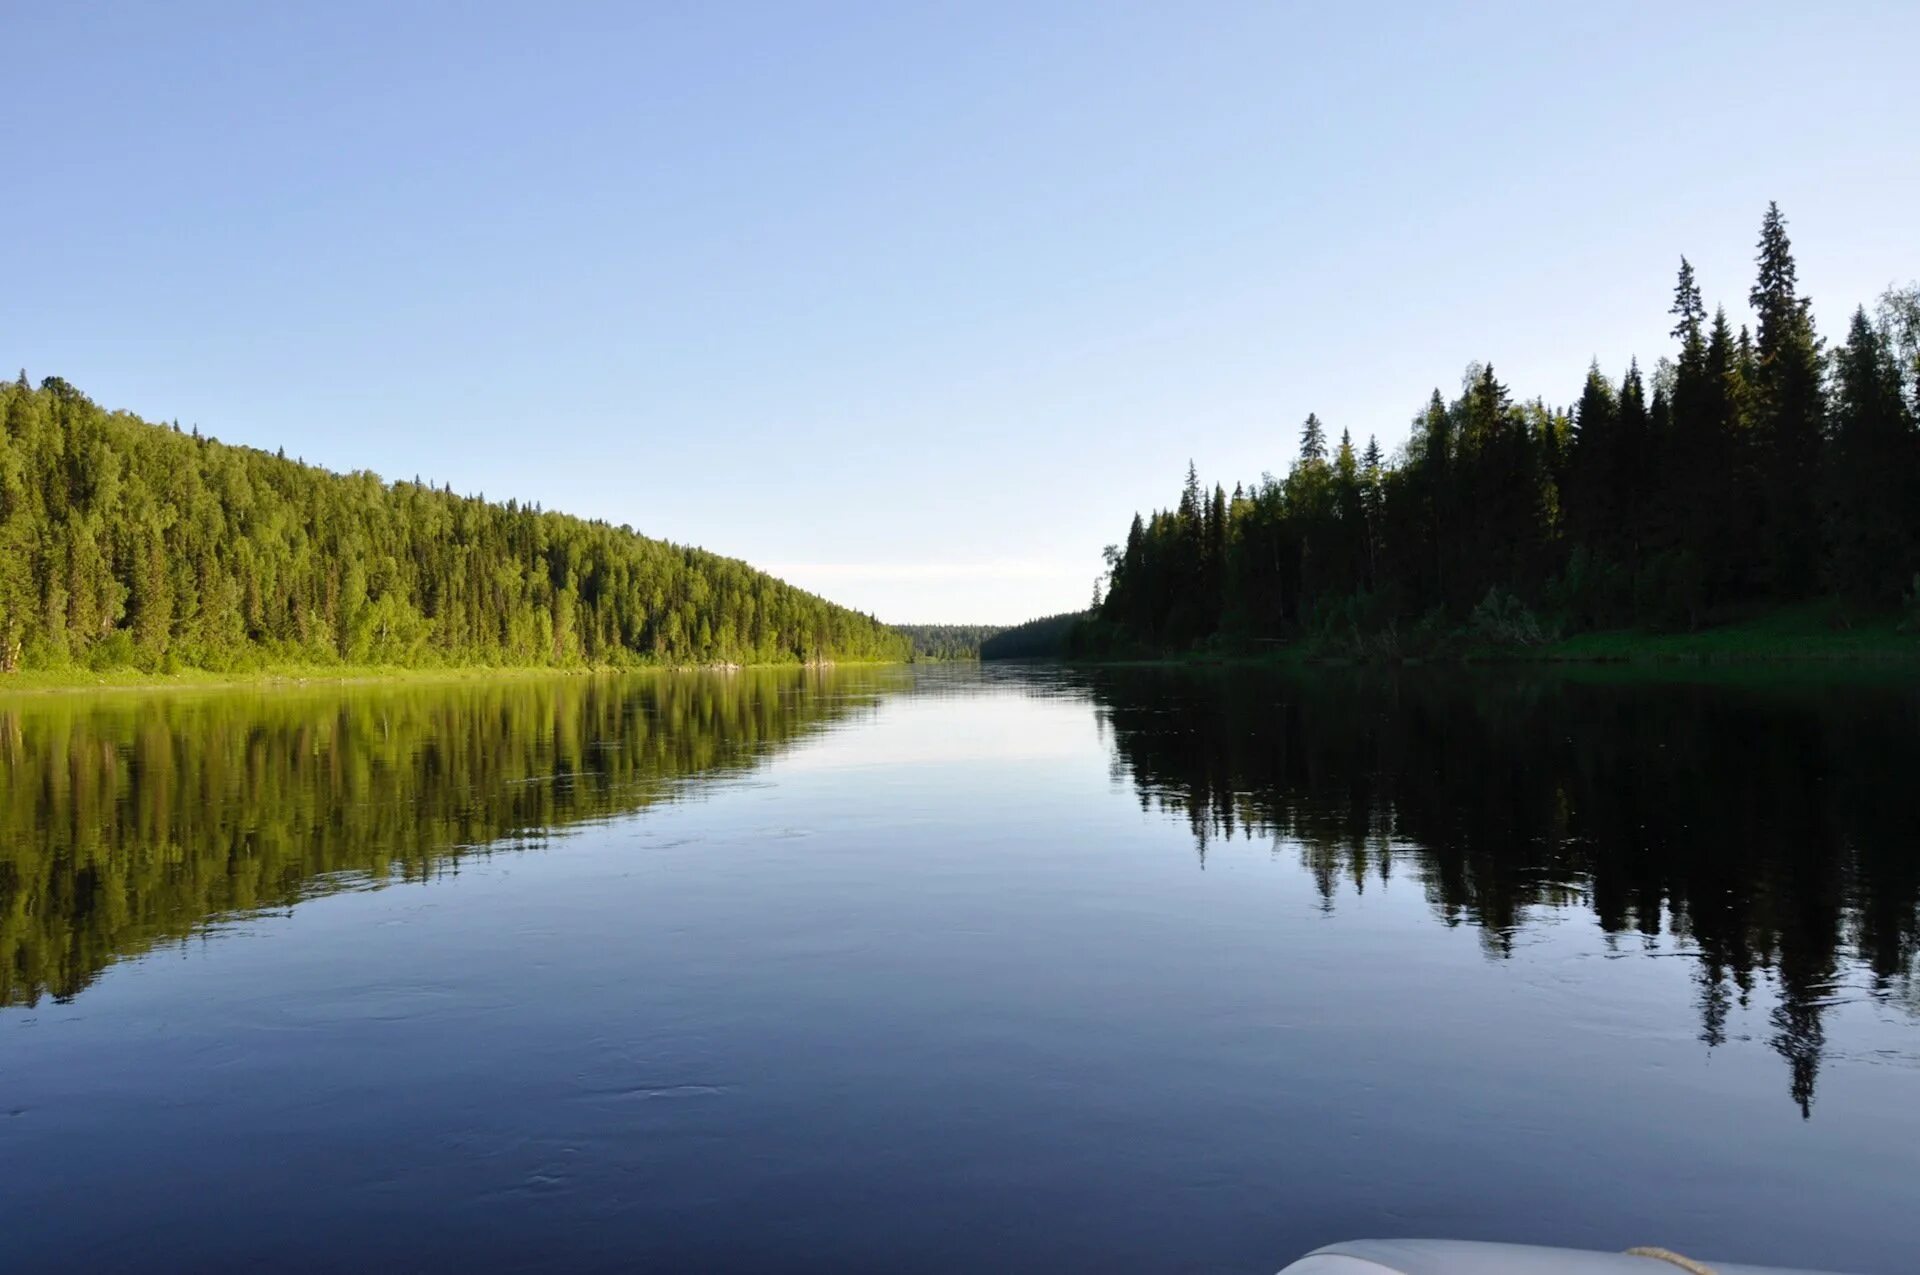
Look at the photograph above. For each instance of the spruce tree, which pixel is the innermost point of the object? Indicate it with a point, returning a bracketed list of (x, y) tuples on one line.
[(1593, 510), (1372, 507), (1687, 309), (1791, 411), (1875, 462), (1216, 551), (1435, 427), (1313, 440)]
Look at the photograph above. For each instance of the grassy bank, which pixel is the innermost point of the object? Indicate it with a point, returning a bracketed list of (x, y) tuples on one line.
[(72, 679)]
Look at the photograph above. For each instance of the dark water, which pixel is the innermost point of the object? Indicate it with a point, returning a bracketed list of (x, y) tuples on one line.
[(951, 970)]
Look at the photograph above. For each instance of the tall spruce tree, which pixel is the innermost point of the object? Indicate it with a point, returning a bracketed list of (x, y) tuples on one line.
[(1313, 439), (1692, 458), (1791, 411)]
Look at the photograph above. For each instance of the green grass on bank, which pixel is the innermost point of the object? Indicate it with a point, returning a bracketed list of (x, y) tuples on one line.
[(78, 678)]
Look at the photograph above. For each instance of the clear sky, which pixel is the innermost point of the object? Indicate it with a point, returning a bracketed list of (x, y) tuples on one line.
[(913, 304)]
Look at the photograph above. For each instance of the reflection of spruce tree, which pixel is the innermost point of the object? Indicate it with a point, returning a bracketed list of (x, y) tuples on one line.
[(1661, 808), (129, 822)]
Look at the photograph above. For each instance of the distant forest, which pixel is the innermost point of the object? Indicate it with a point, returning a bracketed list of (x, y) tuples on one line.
[(129, 544), (947, 641), (1744, 470), (1036, 639)]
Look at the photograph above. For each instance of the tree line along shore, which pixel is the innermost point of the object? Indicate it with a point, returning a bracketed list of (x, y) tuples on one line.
[(133, 549), (1755, 492)]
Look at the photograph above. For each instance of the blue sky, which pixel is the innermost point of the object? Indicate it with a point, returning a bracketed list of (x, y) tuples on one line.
[(915, 304)]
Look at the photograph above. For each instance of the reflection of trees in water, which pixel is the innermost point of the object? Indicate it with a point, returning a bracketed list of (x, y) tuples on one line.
[(1772, 829), (131, 820)]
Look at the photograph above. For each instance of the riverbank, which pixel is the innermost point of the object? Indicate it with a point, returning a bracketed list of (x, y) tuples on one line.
[(72, 680), (1814, 633)]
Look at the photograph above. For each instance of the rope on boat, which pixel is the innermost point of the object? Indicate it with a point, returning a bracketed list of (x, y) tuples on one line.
[(1668, 1255)]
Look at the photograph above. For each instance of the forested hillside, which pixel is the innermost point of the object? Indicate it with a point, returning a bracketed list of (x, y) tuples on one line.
[(1746, 469), (126, 543), (947, 641)]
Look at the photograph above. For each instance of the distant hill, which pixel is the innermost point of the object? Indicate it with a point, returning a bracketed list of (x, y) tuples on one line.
[(124, 543), (947, 641), (1043, 638)]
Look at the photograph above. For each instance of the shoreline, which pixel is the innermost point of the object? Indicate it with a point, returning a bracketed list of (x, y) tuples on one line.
[(307, 677), (1803, 637)]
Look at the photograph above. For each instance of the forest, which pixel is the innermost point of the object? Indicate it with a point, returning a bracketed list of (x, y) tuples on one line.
[(129, 544), (940, 642), (1745, 470)]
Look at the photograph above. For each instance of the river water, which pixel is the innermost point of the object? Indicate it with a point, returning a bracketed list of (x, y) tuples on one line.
[(951, 969)]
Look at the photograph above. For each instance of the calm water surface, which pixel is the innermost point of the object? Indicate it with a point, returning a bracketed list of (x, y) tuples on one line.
[(957, 970)]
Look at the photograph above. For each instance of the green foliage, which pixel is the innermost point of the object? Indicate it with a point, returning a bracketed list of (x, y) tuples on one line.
[(116, 650), (129, 544), (1362, 625), (1758, 473), (1503, 620)]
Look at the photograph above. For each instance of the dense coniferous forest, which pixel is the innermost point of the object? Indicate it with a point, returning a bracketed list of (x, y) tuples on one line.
[(126, 543), (947, 641), (1036, 639), (1744, 470)]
